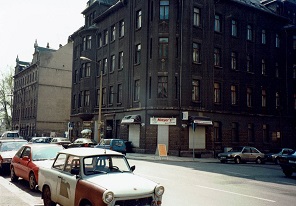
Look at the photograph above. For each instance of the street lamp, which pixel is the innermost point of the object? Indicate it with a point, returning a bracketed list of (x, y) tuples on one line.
[(100, 100)]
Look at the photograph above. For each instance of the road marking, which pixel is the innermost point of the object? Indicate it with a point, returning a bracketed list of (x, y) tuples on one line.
[(234, 193)]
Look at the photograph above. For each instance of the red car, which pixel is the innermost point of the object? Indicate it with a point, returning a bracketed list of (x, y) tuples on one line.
[(29, 158)]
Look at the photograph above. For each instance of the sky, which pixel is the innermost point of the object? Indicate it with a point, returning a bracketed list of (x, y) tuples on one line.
[(22, 22)]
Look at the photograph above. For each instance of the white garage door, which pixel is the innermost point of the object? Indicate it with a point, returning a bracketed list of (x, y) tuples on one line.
[(197, 138), (134, 134)]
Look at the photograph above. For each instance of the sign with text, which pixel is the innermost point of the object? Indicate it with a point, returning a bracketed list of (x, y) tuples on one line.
[(163, 121)]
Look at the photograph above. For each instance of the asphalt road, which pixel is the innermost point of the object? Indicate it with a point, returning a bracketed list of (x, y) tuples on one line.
[(193, 183)]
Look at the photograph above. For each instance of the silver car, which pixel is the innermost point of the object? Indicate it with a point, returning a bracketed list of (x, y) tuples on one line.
[(242, 154)]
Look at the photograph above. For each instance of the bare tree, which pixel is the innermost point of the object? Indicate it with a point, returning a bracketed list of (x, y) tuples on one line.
[(6, 94)]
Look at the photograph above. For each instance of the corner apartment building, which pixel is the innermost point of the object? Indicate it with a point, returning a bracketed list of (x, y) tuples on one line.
[(195, 75), (42, 92)]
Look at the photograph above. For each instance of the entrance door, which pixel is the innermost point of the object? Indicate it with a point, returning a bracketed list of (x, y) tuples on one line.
[(197, 138), (163, 135), (134, 134)]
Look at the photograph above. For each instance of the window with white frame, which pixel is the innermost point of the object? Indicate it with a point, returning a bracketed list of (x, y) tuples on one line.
[(162, 87), (233, 60), (105, 65), (164, 9), (112, 63), (195, 90), (263, 67), (100, 40), (196, 16), (113, 33), (163, 47), (105, 37), (87, 69), (263, 36), (249, 32), (196, 52), (86, 98), (119, 93), (249, 97), (277, 74), (218, 23), (138, 54), (217, 57), (120, 60), (121, 28), (277, 41), (137, 90), (263, 98), (111, 95), (234, 94), (249, 63), (138, 19)]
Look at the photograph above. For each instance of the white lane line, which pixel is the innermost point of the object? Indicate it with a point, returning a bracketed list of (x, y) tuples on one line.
[(234, 193)]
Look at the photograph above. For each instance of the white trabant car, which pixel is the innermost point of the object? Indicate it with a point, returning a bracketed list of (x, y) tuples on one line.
[(95, 177)]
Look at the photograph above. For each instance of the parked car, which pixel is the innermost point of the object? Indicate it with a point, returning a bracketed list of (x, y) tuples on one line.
[(242, 154), (29, 158), (40, 140), (61, 141), (288, 163), (273, 156), (83, 142), (94, 176), (8, 148), (11, 135), (117, 145)]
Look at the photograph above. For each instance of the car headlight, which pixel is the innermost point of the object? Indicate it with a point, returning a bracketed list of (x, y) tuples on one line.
[(159, 190), (108, 196)]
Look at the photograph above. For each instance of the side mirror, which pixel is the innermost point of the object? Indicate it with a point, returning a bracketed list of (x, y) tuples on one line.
[(133, 168)]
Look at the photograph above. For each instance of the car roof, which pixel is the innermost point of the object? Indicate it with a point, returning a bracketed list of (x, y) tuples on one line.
[(88, 151), (42, 145), (13, 140)]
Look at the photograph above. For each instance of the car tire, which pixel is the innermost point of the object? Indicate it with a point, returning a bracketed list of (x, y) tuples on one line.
[(86, 203), (13, 176), (46, 195), (237, 160), (259, 160), (222, 161), (32, 181), (288, 172)]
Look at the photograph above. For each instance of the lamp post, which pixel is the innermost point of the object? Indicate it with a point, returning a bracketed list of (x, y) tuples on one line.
[(100, 99)]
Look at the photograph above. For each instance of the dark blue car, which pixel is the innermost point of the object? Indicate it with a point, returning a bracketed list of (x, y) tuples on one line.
[(117, 145)]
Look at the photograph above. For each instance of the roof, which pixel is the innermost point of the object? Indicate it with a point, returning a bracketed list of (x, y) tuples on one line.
[(88, 151), (255, 4)]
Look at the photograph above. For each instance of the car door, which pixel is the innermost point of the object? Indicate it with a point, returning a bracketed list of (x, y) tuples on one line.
[(246, 154), (21, 168), (66, 182)]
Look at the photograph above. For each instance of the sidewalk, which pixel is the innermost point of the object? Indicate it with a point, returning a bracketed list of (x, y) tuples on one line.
[(152, 157)]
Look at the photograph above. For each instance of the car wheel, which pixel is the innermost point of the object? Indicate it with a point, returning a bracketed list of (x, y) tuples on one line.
[(277, 161), (222, 161), (32, 181), (13, 176), (237, 160), (288, 172), (259, 160), (46, 194), (85, 203)]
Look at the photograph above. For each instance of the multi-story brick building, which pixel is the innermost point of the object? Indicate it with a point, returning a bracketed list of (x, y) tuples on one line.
[(42, 92), (195, 75)]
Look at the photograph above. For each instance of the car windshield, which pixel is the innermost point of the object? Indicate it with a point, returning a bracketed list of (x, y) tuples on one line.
[(45, 153), (236, 149), (11, 146), (104, 164)]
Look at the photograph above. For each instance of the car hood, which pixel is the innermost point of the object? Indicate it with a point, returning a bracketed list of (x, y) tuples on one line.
[(227, 153), (44, 163), (8, 154), (123, 184)]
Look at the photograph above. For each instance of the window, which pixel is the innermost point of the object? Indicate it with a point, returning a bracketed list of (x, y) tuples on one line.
[(265, 133), (263, 67), (263, 98), (217, 57), (234, 132), (105, 66), (217, 27), (120, 60), (277, 41), (164, 10), (234, 28), (196, 52), (98, 97), (87, 70), (112, 63), (277, 100), (100, 40), (139, 19), (99, 67), (233, 60), (249, 32), (121, 28), (263, 37), (249, 97), (249, 64), (294, 101), (251, 134), (277, 70), (162, 87), (86, 98), (111, 95), (163, 47), (104, 92), (74, 102), (234, 95), (196, 17), (217, 132), (137, 90), (119, 93), (88, 42), (84, 43), (195, 90), (138, 54), (217, 92), (105, 37), (76, 76), (113, 32)]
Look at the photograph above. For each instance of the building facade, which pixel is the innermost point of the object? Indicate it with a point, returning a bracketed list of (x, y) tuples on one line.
[(196, 75), (42, 92)]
